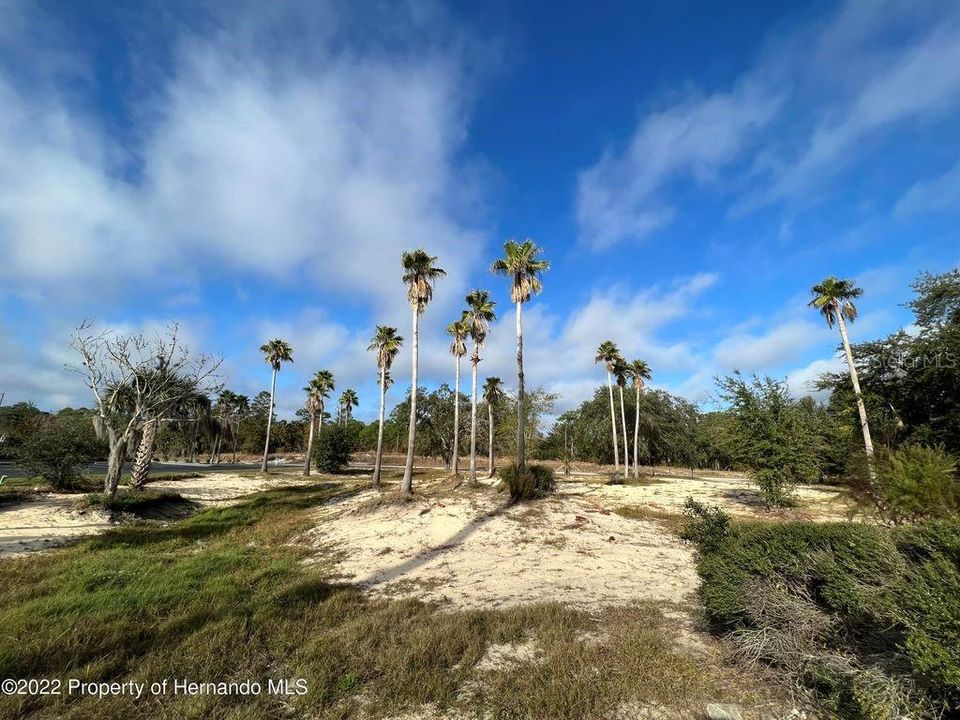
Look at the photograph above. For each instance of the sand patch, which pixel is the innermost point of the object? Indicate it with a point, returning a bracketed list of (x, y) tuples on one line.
[(47, 521), (477, 551), (53, 519)]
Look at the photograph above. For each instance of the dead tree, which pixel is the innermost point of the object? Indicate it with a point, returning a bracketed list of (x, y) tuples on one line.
[(136, 380)]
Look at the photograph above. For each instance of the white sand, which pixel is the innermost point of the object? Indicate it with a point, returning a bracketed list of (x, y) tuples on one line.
[(52, 519)]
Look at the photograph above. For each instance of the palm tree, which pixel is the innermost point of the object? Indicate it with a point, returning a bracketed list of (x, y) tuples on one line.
[(639, 372), (608, 354), (419, 273), (521, 264), (458, 348), (239, 409), (479, 315), (834, 299), (386, 343), (318, 390), (275, 353), (348, 401), (620, 372), (492, 393)]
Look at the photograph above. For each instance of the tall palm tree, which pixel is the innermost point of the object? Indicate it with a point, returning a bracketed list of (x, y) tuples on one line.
[(493, 394), (386, 343), (621, 373), (275, 353), (608, 354), (834, 299), (348, 401), (419, 274), (522, 265), (318, 390), (459, 331), (479, 315), (639, 373)]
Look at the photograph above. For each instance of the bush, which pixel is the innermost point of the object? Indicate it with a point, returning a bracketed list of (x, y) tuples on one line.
[(535, 480), (332, 449), (60, 449), (913, 484), (707, 526), (866, 618)]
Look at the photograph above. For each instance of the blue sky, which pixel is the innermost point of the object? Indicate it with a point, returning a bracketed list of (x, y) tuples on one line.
[(254, 170)]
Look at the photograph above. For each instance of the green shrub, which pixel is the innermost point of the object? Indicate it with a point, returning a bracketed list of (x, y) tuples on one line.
[(332, 449), (867, 618), (535, 480), (913, 483), (59, 449), (707, 526)]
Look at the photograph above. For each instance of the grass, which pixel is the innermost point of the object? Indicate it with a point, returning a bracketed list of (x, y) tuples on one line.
[(670, 521), (223, 595), (21, 488)]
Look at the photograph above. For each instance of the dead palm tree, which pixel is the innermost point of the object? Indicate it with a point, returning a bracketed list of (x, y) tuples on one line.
[(275, 353), (479, 315), (459, 331), (318, 390), (608, 353), (621, 373), (639, 373), (522, 265), (386, 343), (239, 410), (493, 394), (834, 299), (419, 274)]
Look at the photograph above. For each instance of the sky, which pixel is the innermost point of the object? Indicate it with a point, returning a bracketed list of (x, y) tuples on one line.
[(254, 170)]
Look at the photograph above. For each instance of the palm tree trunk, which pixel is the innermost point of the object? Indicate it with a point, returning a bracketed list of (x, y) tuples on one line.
[(266, 446), (623, 424), (306, 462), (236, 436), (613, 424), (141, 464), (861, 408), (406, 488), (473, 415), (636, 437), (118, 449), (383, 402), (521, 440), (456, 421), (490, 439)]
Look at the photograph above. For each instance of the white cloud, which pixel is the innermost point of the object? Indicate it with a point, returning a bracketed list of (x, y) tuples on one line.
[(936, 194)]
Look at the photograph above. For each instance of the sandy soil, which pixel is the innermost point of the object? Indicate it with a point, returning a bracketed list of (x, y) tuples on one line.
[(49, 520), (474, 550)]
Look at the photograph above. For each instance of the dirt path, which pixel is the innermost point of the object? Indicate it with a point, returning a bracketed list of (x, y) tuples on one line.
[(52, 519)]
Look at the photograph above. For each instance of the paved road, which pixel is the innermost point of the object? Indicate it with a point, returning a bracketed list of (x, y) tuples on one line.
[(100, 468)]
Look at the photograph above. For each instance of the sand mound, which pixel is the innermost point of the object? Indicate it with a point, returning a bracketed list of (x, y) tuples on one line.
[(476, 551)]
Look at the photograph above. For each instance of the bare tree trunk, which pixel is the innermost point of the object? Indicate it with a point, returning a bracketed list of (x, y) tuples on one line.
[(141, 464), (456, 421), (118, 448), (623, 424), (236, 438), (306, 462), (521, 439), (266, 445), (636, 437), (406, 488), (475, 360), (613, 423), (490, 440), (383, 403), (861, 408)]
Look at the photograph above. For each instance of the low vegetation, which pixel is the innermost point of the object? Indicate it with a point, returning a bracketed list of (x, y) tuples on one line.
[(865, 619), (529, 483)]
